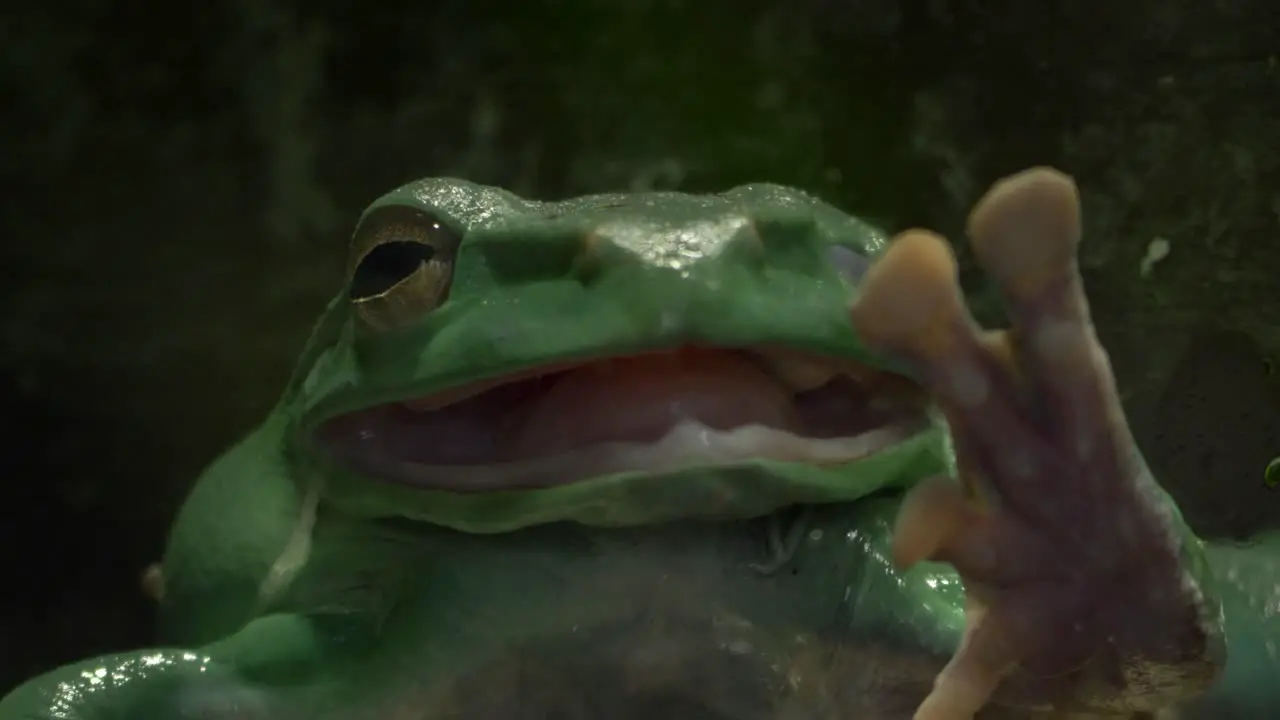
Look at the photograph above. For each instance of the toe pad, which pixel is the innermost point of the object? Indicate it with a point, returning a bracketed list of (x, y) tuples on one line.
[(1026, 228), (910, 297)]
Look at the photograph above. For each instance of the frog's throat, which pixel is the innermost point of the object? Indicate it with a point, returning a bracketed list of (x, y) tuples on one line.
[(659, 411)]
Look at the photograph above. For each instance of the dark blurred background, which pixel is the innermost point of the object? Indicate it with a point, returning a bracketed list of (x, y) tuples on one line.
[(180, 180)]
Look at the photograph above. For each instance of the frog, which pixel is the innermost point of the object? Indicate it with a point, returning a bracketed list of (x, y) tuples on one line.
[(731, 455)]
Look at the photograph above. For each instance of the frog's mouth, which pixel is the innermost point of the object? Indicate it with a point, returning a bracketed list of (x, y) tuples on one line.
[(652, 412)]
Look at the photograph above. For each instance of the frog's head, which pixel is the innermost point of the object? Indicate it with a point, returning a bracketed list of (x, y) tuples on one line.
[(613, 360)]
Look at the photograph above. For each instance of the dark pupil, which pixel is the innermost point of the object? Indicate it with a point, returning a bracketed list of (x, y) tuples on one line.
[(386, 265)]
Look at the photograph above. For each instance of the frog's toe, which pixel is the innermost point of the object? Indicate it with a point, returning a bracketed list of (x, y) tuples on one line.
[(910, 303), (940, 521), (911, 308), (974, 673), (1025, 231)]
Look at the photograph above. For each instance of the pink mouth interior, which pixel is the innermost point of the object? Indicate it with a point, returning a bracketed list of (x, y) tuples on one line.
[(633, 400)]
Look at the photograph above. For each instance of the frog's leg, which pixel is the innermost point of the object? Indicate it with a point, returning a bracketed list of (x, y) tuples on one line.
[(270, 669), (1084, 589)]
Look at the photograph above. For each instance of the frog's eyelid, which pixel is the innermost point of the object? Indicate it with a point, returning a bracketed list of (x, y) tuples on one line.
[(401, 266), (398, 222), (851, 264), (402, 227)]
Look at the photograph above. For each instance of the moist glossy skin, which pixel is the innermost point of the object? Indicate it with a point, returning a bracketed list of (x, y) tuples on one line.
[(627, 456)]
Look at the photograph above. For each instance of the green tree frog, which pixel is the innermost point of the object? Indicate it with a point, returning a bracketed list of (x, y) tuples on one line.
[(700, 456)]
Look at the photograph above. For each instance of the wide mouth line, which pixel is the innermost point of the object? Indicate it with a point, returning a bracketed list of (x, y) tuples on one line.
[(659, 410)]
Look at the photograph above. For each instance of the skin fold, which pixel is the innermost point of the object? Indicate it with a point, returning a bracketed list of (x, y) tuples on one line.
[(725, 456)]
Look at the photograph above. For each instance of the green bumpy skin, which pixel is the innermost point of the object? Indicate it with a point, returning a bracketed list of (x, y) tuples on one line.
[(296, 586)]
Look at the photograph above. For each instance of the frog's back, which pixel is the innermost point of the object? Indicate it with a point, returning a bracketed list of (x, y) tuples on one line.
[(470, 206)]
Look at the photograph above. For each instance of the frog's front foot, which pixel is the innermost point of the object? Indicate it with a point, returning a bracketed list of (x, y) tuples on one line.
[(1079, 594)]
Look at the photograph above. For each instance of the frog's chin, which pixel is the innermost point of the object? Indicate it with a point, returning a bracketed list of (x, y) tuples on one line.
[(654, 413)]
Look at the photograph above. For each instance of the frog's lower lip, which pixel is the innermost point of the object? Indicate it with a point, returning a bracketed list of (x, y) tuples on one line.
[(662, 411)]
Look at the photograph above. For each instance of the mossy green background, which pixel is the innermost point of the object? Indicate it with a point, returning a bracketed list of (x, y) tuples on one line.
[(180, 180)]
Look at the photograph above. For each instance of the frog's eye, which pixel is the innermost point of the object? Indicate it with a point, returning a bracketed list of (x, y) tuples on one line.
[(401, 266)]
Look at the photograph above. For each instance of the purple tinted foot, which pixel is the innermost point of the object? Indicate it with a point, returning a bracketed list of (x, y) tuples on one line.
[(1078, 595)]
